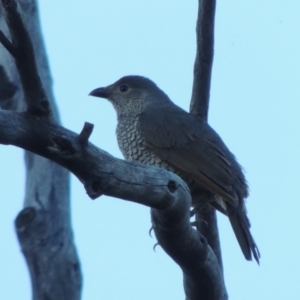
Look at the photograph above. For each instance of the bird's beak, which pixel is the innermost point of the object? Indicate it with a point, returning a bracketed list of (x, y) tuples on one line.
[(100, 92)]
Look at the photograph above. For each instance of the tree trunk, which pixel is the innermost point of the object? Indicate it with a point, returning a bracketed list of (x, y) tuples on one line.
[(43, 226)]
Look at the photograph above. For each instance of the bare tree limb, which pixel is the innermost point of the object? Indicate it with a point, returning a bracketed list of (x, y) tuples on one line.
[(85, 133), (204, 58), (22, 50), (101, 173), (43, 226), (206, 216), (7, 44)]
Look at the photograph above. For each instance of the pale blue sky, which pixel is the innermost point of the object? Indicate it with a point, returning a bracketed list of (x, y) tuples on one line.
[(254, 107)]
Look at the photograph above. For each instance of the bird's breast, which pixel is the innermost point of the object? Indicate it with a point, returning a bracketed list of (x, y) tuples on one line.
[(132, 143)]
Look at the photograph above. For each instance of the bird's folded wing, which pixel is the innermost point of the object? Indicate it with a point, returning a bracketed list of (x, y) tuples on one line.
[(192, 147)]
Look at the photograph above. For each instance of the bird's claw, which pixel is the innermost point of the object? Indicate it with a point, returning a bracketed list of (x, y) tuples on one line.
[(155, 245)]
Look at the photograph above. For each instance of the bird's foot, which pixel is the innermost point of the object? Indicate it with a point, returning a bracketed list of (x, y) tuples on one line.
[(154, 247), (150, 231)]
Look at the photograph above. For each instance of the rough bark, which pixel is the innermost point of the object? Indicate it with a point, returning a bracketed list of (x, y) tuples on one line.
[(43, 226)]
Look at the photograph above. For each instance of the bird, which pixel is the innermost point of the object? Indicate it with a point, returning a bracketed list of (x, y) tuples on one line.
[(153, 130)]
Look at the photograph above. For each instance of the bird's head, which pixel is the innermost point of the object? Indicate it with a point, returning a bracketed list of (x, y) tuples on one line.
[(130, 95)]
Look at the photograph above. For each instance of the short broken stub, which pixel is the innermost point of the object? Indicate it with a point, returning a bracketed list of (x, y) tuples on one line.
[(95, 189)]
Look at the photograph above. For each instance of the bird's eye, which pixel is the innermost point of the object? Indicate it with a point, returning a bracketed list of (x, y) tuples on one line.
[(124, 88)]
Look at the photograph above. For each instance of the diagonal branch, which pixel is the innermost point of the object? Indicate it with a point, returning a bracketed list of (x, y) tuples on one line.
[(7, 44), (21, 49), (102, 174)]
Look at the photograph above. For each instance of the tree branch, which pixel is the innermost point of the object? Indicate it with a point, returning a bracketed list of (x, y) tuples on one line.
[(101, 173), (48, 246), (200, 102), (85, 133), (22, 50), (204, 58)]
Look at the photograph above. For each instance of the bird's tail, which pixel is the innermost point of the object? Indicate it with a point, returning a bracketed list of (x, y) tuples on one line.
[(241, 228)]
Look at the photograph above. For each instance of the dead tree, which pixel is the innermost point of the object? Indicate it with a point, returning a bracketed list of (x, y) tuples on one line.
[(48, 246)]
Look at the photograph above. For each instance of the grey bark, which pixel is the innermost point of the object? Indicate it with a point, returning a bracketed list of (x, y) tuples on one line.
[(206, 217), (43, 226)]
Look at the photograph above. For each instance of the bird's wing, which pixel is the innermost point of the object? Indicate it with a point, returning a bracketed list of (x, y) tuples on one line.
[(192, 147)]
